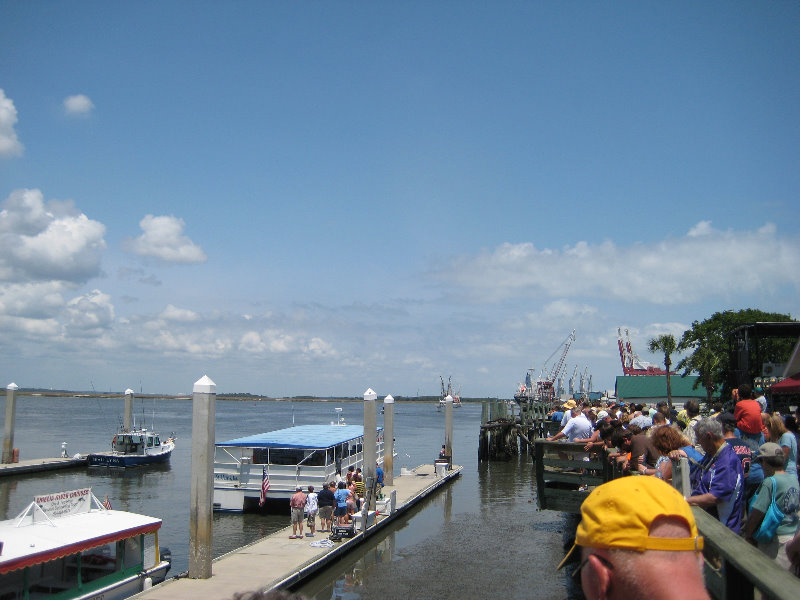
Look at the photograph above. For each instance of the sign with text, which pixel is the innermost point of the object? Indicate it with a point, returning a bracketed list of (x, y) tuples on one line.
[(65, 503)]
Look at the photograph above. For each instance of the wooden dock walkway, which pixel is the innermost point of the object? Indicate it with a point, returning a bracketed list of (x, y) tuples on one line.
[(279, 562), (38, 465)]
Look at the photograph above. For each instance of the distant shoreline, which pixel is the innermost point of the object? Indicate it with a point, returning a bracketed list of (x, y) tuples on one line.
[(230, 397)]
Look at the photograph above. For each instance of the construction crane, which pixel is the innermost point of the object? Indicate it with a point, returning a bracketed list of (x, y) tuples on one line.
[(545, 383)]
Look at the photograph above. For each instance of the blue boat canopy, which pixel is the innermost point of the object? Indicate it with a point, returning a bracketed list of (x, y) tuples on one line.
[(302, 436)]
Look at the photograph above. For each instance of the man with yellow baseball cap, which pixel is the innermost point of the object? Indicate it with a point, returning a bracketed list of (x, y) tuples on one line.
[(638, 539)]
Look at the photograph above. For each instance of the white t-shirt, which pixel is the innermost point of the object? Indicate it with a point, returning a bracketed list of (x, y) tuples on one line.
[(578, 428), (311, 502)]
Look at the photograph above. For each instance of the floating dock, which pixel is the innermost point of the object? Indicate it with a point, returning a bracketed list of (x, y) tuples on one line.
[(38, 465), (279, 562)]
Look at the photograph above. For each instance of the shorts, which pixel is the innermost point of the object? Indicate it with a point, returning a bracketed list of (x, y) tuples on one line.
[(297, 515), (340, 511), (325, 513), (311, 516)]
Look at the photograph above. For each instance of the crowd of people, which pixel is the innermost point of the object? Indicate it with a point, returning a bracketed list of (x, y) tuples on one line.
[(336, 503), (743, 463)]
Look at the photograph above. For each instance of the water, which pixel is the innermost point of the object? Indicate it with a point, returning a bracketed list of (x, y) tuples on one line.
[(482, 531)]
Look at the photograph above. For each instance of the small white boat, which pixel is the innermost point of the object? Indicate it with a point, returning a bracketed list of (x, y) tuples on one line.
[(134, 448), (69, 546), (279, 461)]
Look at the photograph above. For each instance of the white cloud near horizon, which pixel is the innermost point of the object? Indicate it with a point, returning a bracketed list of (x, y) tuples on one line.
[(673, 271), (9, 143), (78, 105), (47, 241), (163, 238)]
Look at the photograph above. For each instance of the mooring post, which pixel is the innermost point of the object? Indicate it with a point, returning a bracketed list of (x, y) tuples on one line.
[(484, 412), (448, 428), (11, 411), (370, 441), (127, 419), (388, 440), (202, 478)]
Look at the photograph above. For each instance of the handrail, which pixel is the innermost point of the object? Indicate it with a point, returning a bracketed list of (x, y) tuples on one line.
[(742, 567)]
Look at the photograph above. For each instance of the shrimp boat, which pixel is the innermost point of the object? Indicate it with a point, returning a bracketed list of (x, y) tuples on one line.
[(277, 462), (68, 545), (448, 391)]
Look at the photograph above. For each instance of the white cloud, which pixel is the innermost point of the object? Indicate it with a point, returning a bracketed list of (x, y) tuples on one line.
[(252, 343), (163, 238), (674, 271), (89, 314), (172, 313), (320, 347), (79, 104), (47, 242), (36, 300), (9, 144), (702, 228)]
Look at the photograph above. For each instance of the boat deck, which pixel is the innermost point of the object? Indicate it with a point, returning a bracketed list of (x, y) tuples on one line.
[(278, 562), (37, 465)]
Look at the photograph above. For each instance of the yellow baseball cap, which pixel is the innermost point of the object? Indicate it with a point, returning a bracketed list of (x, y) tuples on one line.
[(619, 514)]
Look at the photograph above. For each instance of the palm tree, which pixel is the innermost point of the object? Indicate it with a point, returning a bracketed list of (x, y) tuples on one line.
[(665, 343)]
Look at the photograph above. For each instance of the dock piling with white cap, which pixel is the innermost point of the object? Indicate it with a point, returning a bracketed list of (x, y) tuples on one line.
[(388, 440), (202, 479)]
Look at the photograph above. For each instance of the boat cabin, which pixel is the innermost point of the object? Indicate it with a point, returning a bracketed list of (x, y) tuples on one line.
[(287, 458), (135, 442), (67, 545)]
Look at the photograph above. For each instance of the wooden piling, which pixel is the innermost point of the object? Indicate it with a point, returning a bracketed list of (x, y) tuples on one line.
[(11, 411), (127, 417), (388, 440)]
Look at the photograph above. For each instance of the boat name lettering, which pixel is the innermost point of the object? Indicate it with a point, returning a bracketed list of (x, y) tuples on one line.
[(62, 496), (226, 477)]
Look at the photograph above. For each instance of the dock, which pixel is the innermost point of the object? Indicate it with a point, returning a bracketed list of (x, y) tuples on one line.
[(277, 562), (39, 465)]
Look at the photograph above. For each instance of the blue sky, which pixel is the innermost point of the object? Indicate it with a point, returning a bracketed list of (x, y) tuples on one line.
[(316, 198)]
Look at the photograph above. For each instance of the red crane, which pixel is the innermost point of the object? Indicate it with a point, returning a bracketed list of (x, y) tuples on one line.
[(631, 363)]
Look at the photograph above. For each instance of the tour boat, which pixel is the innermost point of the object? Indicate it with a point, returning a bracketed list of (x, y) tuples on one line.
[(276, 462), (134, 448), (68, 546)]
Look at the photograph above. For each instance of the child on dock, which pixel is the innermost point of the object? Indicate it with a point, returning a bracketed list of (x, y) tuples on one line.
[(311, 510)]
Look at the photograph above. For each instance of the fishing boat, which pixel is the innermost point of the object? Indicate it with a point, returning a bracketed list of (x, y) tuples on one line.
[(69, 546), (279, 461), (134, 448), (448, 391)]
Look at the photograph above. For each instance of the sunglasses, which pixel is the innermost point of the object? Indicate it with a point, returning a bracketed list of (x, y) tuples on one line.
[(576, 574)]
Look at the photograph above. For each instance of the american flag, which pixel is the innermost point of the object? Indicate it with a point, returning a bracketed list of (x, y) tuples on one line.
[(264, 487), (107, 503)]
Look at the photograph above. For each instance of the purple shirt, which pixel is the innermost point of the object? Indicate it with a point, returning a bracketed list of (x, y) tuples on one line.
[(721, 475)]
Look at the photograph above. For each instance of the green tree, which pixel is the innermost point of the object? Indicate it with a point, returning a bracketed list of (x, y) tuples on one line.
[(708, 345), (665, 343)]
